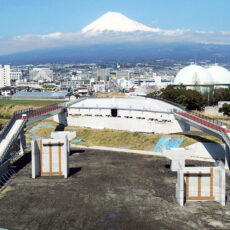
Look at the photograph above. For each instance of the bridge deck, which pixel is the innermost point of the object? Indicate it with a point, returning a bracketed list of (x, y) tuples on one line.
[(204, 122)]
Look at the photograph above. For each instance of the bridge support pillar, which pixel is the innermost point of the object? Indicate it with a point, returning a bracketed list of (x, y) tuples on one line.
[(184, 126), (22, 142), (60, 118), (227, 157)]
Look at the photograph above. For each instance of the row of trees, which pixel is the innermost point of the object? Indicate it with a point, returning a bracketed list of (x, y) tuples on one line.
[(192, 99)]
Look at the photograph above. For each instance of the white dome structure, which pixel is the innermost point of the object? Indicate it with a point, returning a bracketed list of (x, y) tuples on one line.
[(220, 76), (193, 75)]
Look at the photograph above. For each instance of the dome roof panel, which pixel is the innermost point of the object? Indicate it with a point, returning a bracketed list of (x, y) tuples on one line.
[(219, 74), (193, 75)]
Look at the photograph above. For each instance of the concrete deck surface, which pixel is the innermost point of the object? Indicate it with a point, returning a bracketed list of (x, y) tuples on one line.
[(106, 190)]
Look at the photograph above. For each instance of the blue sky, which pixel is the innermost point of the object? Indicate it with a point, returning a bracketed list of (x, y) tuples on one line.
[(20, 17), (37, 24)]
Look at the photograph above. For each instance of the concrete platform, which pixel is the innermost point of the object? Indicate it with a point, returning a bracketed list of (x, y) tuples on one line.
[(106, 190)]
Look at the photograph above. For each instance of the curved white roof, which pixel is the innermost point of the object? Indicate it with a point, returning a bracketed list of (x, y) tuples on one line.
[(193, 75), (219, 74), (135, 103)]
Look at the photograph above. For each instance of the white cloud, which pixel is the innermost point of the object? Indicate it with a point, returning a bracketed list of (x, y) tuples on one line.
[(31, 42)]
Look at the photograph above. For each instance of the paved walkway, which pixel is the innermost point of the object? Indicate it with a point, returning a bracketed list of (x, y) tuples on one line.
[(204, 157)]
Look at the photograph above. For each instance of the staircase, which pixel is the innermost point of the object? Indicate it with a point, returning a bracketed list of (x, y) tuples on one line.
[(20, 119)]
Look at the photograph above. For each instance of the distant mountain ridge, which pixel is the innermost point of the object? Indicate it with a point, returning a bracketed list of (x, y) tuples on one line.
[(124, 52)]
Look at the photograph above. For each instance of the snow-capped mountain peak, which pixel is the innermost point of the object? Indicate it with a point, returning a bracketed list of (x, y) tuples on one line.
[(115, 22)]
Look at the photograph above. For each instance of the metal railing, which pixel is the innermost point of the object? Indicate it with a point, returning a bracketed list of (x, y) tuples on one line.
[(212, 120), (211, 123), (226, 138), (16, 115), (29, 113), (44, 110), (6, 172)]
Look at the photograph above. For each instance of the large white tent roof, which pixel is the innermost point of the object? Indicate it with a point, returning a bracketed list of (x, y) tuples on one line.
[(135, 103)]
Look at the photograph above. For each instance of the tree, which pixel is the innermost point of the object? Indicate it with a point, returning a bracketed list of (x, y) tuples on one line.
[(221, 94), (225, 109), (194, 100), (191, 99)]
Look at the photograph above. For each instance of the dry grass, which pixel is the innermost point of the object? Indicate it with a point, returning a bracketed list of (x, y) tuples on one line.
[(41, 131), (221, 117), (119, 138), (8, 107), (110, 95)]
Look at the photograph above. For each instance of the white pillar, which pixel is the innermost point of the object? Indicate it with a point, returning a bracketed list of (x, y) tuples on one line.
[(176, 164), (35, 155), (180, 187), (222, 186)]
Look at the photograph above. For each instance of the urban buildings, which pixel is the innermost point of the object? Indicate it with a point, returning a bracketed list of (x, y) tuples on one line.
[(41, 74), (4, 76)]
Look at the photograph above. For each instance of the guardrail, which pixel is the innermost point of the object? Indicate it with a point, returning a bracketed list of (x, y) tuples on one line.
[(214, 121), (43, 110), (225, 138), (24, 114), (211, 123)]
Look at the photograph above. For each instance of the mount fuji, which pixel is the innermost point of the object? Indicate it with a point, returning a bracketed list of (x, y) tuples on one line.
[(116, 22)]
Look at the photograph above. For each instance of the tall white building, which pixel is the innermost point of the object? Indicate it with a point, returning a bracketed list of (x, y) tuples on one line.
[(15, 75), (4, 76), (41, 74)]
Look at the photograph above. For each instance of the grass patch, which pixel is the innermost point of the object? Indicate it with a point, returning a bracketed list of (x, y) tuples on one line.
[(41, 131), (28, 102), (8, 107), (119, 138)]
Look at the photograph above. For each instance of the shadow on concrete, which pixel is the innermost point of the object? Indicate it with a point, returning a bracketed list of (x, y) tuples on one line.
[(22, 162), (73, 171), (167, 166), (201, 139)]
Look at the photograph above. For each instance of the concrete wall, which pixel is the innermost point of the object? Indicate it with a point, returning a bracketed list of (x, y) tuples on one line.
[(212, 110), (212, 151), (50, 157), (60, 118), (200, 183), (64, 135), (130, 124)]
